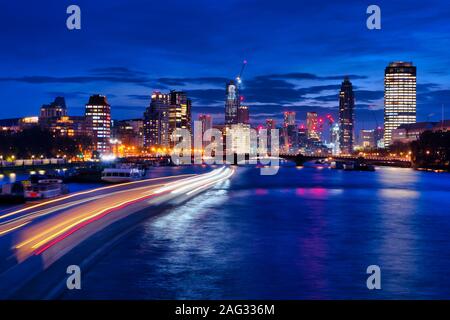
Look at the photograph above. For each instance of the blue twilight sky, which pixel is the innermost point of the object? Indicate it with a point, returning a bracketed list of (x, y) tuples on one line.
[(297, 52)]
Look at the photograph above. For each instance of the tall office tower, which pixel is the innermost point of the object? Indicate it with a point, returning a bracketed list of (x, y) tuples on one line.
[(399, 97), (289, 132), (232, 103), (312, 126), (334, 137), (181, 101), (289, 118), (156, 121), (98, 123), (243, 115), (346, 116), (56, 109)]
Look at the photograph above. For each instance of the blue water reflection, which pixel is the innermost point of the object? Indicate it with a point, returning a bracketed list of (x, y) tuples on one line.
[(301, 234)]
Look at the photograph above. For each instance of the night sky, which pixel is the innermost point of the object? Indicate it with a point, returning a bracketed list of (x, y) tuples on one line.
[(298, 53)]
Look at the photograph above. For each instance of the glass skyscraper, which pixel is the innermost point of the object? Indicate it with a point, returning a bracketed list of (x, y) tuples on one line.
[(232, 103), (346, 117), (98, 123), (399, 97)]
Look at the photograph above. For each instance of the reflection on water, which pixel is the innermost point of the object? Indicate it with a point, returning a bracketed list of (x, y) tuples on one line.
[(299, 234)]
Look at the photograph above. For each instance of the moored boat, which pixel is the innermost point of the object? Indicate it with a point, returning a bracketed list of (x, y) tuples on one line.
[(44, 189), (122, 174)]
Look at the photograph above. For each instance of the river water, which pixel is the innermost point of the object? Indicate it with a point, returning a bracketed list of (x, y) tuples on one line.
[(304, 233)]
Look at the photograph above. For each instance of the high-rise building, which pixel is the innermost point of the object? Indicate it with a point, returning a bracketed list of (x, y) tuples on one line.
[(156, 121), (289, 118), (289, 132), (243, 115), (334, 138), (399, 97), (232, 103), (312, 126), (183, 105), (346, 117), (165, 114), (98, 123)]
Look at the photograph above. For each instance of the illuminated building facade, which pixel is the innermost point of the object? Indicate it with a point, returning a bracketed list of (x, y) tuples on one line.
[(243, 115), (68, 126), (367, 139), (130, 135), (156, 121), (181, 106), (346, 117), (334, 137), (98, 123), (232, 103), (399, 97), (312, 126), (166, 113), (289, 118)]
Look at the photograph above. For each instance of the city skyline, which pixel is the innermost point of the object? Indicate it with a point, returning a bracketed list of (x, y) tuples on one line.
[(224, 158), (283, 73)]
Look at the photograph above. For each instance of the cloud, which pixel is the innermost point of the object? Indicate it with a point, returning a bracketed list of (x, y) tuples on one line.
[(107, 74), (311, 76), (77, 79), (221, 81)]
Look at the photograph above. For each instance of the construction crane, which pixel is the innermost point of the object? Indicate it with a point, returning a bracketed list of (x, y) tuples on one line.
[(239, 77), (330, 119), (321, 122)]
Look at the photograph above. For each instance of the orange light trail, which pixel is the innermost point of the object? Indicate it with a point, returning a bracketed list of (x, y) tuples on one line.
[(85, 192)]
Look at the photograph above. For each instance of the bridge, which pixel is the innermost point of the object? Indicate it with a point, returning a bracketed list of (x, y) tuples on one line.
[(35, 237), (300, 159)]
